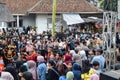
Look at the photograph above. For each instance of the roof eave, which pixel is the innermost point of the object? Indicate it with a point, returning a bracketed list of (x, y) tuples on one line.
[(64, 12), (18, 14)]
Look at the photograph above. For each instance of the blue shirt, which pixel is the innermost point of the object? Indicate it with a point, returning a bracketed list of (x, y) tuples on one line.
[(41, 70)]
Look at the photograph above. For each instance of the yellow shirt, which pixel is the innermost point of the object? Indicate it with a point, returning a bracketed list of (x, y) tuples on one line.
[(86, 76)]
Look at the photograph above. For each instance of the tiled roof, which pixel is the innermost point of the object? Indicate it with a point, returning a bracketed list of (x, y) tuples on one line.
[(5, 15), (19, 6), (64, 6), (45, 6)]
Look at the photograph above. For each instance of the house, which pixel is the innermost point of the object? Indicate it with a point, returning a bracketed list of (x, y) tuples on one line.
[(39, 12), (5, 16)]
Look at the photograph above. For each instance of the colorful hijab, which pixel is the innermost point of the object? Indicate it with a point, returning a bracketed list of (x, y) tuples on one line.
[(94, 77), (77, 59), (32, 68), (68, 58), (70, 75), (40, 59)]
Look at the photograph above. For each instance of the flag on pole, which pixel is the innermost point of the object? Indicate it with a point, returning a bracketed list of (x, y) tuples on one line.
[(54, 17)]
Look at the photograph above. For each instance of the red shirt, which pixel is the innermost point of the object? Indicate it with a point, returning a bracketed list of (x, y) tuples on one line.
[(31, 57)]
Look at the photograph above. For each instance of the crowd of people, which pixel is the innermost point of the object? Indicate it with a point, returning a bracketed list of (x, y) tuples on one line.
[(68, 56)]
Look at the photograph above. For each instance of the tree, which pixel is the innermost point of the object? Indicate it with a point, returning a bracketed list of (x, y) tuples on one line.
[(109, 5)]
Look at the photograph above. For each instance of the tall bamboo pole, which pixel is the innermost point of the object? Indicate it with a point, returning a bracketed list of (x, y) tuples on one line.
[(54, 17)]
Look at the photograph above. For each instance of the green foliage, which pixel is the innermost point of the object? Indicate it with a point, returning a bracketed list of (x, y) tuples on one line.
[(109, 5), (34, 27)]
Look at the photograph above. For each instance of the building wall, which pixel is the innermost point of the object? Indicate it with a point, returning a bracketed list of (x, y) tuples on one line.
[(43, 22), (29, 20), (3, 25)]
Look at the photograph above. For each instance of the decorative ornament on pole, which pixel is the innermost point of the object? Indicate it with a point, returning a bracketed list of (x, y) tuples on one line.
[(54, 17)]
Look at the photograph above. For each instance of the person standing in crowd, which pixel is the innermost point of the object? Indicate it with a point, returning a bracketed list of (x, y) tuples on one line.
[(41, 69), (99, 58), (27, 76), (77, 59), (32, 69), (82, 54), (70, 75), (11, 69), (76, 71), (96, 67), (52, 71), (50, 52), (31, 56), (87, 71), (63, 72), (6, 76), (69, 66), (67, 58)]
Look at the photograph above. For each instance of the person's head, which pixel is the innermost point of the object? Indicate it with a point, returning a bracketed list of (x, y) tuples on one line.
[(27, 76), (98, 52), (69, 76), (31, 64), (77, 43), (92, 52), (72, 52), (76, 67), (40, 59), (52, 57), (57, 56), (63, 69), (67, 58), (49, 50), (69, 66), (82, 54), (50, 64), (23, 68), (96, 65)]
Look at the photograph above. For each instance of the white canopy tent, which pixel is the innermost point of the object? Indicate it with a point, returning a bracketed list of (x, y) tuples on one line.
[(72, 19)]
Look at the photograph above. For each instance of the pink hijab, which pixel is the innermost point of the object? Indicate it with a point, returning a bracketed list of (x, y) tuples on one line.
[(32, 68), (94, 77)]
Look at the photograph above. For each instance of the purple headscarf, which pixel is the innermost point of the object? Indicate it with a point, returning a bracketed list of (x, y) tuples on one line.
[(40, 59), (94, 77), (32, 68)]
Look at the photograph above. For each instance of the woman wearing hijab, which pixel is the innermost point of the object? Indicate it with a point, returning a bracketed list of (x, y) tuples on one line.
[(94, 77), (32, 68), (11, 69), (76, 71), (69, 75), (82, 54), (77, 59), (6, 76), (67, 58), (41, 69)]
